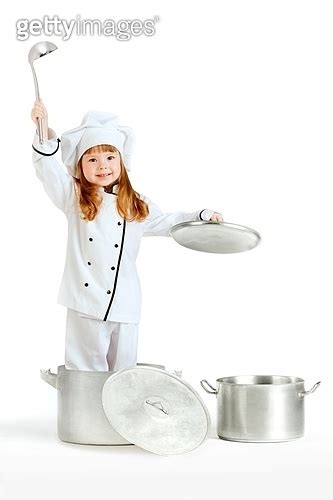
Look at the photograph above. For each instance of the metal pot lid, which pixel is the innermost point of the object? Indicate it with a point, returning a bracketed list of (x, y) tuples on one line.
[(155, 410), (215, 237)]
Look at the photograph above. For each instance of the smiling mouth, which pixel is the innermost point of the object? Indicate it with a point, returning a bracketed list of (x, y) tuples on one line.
[(103, 175)]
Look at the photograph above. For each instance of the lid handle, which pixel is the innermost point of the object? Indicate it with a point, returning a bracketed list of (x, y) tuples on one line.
[(158, 405)]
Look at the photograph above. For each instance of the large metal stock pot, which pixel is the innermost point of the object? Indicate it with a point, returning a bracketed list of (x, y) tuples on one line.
[(81, 418)]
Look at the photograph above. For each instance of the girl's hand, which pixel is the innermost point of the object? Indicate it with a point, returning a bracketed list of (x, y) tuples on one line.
[(216, 217), (40, 111)]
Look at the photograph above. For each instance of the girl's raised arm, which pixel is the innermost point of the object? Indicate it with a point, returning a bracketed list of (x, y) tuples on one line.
[(57, 183)]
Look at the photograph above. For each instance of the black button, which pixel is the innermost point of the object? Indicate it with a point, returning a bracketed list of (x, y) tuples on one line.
[(119, 223), (90, 239), (116, 246), (113, 268), (109, 291), (89, 263), (86, 284)]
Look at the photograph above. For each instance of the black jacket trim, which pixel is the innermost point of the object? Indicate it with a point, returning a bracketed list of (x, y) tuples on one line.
[(47, 154), (117, 272), (201, 213)]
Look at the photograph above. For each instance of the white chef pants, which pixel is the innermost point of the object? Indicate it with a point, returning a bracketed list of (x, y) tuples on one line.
[(96, 345)]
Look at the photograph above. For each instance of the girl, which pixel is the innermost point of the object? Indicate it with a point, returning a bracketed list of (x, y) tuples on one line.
[(106, 220)]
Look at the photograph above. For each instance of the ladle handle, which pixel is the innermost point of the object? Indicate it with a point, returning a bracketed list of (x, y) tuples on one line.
[(39, 120), (40, 130)]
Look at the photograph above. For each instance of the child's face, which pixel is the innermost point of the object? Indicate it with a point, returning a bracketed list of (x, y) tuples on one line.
[(101, 168)]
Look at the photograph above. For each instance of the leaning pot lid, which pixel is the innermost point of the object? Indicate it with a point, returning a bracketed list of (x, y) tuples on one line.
[(155, 410), (215, 237)]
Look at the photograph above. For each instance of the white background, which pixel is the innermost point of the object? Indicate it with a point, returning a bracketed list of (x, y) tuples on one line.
[(231, 102)]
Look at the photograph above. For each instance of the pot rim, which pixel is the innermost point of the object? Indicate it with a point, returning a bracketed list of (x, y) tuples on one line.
[(283, 380), (145, 365)]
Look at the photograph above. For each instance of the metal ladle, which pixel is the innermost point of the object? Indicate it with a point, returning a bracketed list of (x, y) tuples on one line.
[(38, 50)]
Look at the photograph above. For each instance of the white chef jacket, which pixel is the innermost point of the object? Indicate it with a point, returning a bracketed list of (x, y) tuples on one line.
[(100, 277)]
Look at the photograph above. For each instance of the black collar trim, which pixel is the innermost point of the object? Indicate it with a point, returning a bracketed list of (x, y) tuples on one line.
[(111, 192)]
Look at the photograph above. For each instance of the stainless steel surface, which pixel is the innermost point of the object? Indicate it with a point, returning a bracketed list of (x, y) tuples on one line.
[(81, 418), (259, 408), (38, 50), (215, 237), (156, 410)]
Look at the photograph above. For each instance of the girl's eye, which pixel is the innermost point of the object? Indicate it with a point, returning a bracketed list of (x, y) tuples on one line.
[(109, 158)]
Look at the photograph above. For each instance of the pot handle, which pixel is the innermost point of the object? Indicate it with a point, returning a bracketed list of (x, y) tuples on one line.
[(203, 382), (49, 377), (306, 393)]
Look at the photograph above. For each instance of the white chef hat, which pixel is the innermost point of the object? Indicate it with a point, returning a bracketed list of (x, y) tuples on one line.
[(97, 127)]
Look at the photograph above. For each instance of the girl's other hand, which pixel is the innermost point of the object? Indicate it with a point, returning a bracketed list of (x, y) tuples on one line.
[(40, 111), (216, 217)]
